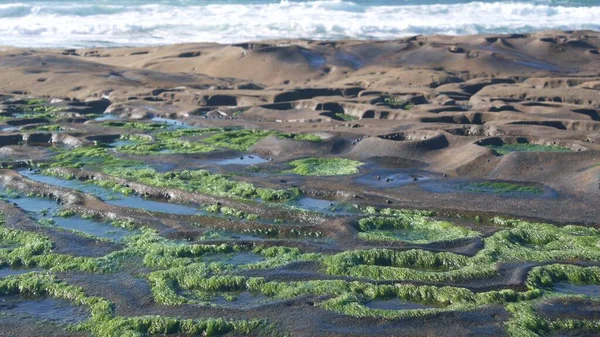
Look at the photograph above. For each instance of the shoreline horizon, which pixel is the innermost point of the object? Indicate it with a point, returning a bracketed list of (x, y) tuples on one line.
[(317, 40), (69, 23)]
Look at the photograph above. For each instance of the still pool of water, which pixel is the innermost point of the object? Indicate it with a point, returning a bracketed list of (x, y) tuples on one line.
[(236, 259), (244, 299), (8, 271), (314, 204), (591, 290), (50, 309), (93, 228), (108, 117), (113, 198), (388, 179), (172, 123), (40, 208), (121, 142), (476, 187), (243, 160)]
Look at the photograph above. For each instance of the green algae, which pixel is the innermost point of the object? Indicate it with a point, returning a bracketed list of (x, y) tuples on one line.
[(196, 181), (173, 146), (240, 140), (344, 117), (398, 103), (103, 322), (411, 228), (202, 181), (549, 275), (324, 166), (243, 140), (134, 125), (301, 136), (522, 241), (505, 149), (230, 211), (501, 188), (180, 275), (178, 142)]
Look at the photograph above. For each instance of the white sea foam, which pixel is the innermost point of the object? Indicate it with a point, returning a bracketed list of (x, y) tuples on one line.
[(72, 24)]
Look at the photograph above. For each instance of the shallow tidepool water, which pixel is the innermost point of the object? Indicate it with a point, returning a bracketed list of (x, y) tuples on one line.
[(114, 198), (490, 187), (591, 290), (244, 299), (236, 259), (45, 209), (172, 123), (8, 271), (51, 309), (243, 160)]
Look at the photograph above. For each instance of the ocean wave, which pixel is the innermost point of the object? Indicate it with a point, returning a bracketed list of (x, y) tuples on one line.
[(64, 24), (14, 10)]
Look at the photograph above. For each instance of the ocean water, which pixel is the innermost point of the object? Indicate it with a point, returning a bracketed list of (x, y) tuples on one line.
[(69, 23)]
